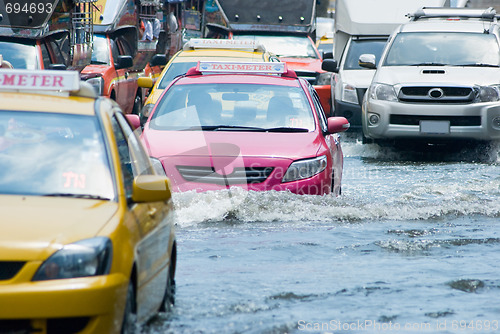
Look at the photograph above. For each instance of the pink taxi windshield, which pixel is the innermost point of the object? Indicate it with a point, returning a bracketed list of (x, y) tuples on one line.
[(233, 106)]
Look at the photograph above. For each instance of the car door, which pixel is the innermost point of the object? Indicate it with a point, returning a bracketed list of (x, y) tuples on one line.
[(153, 220)]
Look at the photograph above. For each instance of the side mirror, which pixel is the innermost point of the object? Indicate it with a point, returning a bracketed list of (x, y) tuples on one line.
[(124, 61), (151, 188), (158, 60), (367, 61), (337, 124), (145, 82), (134, 120), (330, 65)]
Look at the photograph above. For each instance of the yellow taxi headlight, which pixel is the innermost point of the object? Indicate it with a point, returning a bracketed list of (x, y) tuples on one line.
[(89, 257)]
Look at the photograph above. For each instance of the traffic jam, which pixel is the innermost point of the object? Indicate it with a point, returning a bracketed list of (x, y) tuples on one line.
[(112, 108)]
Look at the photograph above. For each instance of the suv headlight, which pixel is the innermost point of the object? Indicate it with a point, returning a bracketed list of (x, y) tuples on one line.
[(487, 93), (89, 257), (98, 84), (349, 94), (303, 169), (324, 79), (382, 92)]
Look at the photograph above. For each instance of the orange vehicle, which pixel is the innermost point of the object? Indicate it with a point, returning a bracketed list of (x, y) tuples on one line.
[(122, 51), (287, 30), (46, 34)]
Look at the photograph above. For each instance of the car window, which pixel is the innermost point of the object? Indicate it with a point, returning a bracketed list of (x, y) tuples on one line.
[(418, 48), (53, 154), (233, 105), (319, 109), (133, 159), (174, 70), (140, 159), (60, 48), (20, 55), (100, 51), (363, 46)]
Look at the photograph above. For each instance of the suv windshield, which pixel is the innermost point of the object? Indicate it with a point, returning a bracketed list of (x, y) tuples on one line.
[(362, 46), (53, 154), (443, 48), (233, 106)]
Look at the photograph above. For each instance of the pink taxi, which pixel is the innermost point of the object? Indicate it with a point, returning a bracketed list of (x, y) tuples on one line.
[(251, 125)]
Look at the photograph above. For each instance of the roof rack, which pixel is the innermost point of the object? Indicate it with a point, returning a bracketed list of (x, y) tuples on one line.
[(488, 14), (52, 82), (208, 43), (268, 68)]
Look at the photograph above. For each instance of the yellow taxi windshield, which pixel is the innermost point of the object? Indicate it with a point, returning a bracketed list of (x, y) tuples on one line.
[(53, 154)]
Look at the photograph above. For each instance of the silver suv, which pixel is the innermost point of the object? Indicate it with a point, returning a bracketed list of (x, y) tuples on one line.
[(438, 79)]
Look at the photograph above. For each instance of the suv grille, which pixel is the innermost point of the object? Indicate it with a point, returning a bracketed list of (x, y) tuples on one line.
[(437, 94), (239, 175), (454, 120), (9, 269)]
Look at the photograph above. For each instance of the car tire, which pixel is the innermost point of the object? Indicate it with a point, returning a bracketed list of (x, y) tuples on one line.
[(129, 317), (169, 296)]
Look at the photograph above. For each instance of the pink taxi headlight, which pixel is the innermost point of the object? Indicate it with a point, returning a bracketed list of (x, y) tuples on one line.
[(303, 169)]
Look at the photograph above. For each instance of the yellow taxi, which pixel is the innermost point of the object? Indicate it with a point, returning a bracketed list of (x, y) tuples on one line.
[(202, 49), (88, 240), (325, 43)]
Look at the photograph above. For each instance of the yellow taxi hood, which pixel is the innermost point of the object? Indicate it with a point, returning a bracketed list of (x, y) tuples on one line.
[(32, 226)]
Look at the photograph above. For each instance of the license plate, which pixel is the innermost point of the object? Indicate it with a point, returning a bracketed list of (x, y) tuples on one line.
[(435, 127)]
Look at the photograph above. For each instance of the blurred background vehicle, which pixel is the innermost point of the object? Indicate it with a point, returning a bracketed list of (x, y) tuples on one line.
[(202, 50), (121, 54), (287, 30), (53, 34)]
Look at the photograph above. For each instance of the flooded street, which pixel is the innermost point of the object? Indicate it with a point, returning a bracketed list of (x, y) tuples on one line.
[(412, 246)]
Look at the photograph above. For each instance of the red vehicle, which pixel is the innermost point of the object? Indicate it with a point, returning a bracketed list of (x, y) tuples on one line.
[(251, 125), (288, 30), (120, 54), (48, 34)]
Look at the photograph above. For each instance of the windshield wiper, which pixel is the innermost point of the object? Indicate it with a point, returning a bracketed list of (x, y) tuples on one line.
[(86, 196), (478, 65), (224, 128), (97, 62), (286, 129), (429, 64), (244, 128)]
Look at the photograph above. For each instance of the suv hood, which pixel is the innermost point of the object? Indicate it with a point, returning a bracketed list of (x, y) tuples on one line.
[(437, 75)]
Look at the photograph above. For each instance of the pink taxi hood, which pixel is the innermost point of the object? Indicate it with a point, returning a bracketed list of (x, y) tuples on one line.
[(230, 143)]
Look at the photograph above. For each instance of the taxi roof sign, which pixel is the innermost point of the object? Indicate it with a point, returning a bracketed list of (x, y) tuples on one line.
[(239, 67), (208, 43), (44, 80)]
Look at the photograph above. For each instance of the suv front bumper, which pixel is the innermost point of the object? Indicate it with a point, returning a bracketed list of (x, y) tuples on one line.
[(476, 121)]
